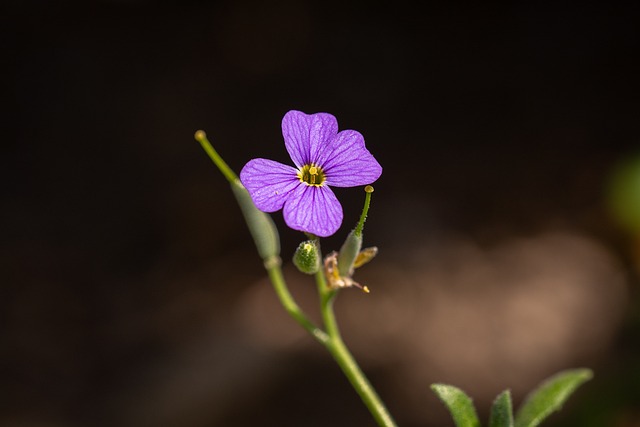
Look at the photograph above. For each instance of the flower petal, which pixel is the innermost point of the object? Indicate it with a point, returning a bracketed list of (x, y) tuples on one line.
[(269, 183), (304, 134), (346, 161), (313, 209)]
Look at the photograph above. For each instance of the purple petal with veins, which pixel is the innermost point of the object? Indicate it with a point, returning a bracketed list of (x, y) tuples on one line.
[(312, 209), (347, 162), (269, 183), (306, 134)]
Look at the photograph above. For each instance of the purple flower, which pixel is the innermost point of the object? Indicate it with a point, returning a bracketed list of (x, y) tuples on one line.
[(323, 157)]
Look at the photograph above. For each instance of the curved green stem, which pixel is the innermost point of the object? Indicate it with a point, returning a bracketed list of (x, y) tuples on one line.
[(294, 310), (345, 360), (201, 137), (365, 210)]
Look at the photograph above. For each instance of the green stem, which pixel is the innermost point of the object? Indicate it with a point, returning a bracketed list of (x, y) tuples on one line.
[(345, 360), (294, 310)]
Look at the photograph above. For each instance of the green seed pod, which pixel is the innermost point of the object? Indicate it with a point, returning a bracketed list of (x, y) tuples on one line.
[(348, 253), (261, 226), (307, 258)]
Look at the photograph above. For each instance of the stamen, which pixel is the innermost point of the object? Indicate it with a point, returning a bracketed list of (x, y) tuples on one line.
[(311, 175), (313, 171)]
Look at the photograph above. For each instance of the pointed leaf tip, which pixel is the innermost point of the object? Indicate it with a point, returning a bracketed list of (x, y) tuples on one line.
[(549, 396), (459, 404), (502, 411)]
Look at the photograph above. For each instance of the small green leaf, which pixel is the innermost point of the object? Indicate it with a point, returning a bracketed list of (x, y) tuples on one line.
[(501, 411), (458, 403), (550, 396)]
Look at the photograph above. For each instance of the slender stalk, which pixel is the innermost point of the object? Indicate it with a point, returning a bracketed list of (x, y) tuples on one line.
[(201, 137), (365, 210), (345, 360), (280, 286)]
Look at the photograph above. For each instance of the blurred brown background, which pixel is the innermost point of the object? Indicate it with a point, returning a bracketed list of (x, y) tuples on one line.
[(131, 293)]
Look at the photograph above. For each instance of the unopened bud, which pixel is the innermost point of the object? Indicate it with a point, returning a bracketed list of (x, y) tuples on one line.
[(307, 258)]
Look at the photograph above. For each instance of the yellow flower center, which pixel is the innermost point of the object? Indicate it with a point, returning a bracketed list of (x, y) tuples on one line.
[(311, 175)]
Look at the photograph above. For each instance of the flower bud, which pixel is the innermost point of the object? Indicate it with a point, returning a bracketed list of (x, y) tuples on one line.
[(307, 258), (348, 253)]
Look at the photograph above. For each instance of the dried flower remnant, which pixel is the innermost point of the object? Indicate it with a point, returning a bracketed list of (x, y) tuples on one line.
[(336, 280), (323, 158)]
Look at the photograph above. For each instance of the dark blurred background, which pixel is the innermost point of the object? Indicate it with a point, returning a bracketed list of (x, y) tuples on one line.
[(131, 292)]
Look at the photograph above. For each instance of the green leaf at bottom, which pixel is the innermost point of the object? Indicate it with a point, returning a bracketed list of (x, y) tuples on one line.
[(550, 396), (501, 411), (458, 403)]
